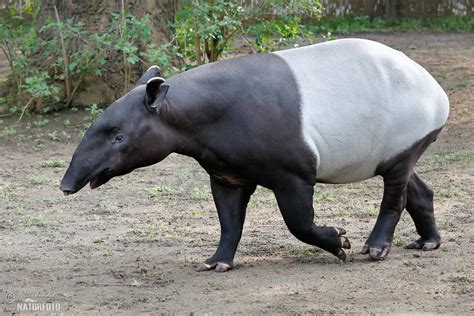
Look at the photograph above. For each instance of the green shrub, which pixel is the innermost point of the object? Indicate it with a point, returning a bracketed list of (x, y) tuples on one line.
[(128, 35), (71, 65), (49, 71), (205, 29), (49, 67), (285, 29), (94, 112)]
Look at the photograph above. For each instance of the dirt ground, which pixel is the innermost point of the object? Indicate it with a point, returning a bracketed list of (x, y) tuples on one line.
[(130, 246)]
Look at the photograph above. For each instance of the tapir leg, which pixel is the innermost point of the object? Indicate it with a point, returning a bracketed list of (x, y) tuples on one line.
[(295, 200), (394, 200), (420, 208), (400, 185), (231, 203)]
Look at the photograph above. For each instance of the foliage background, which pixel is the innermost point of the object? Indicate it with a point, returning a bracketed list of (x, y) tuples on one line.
[(73, 53)]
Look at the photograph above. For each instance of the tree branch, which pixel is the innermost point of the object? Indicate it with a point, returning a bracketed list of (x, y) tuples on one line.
[(24, 109), (65, 59)]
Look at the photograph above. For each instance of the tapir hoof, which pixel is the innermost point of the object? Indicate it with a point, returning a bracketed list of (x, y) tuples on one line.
[(217, 267), (345, 244), (341, 255), (222, 267), (376, 253), (423, 244)]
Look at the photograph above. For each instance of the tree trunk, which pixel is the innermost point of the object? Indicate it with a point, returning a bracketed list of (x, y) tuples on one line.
[(392, 9)]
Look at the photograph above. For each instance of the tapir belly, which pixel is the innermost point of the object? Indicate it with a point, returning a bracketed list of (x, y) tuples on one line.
[(362, 103)]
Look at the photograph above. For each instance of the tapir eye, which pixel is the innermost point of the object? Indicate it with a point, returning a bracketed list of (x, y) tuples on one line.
[(118, 138)]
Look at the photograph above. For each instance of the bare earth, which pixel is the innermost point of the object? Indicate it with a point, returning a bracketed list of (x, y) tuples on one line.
[(130, 246)]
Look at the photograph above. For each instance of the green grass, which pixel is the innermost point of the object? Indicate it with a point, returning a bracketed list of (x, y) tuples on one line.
[(198, 213), (38, 147), (356, 23), (160, 191), (165, 278), (41, 220), (109, 207), (446, 161), (446, 225), (302, 253), (398, 241), (320, 195), (38, 179), (200, 194), (448, 193), (53, 164), (54, 136), (6, 189), (372, 211), (150, 229), (7, 131), (40, 121)]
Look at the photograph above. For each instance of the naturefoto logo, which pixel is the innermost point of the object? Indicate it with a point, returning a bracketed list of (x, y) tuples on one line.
[(33, 302)]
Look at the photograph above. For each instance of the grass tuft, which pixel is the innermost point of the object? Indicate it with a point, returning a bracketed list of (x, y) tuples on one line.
[(53, 164)]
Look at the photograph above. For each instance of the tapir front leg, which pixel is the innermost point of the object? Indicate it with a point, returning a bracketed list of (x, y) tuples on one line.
[(231, 203), (295, 199)]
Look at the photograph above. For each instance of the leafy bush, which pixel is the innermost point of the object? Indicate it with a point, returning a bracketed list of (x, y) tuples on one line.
[(51, 69), (204, 29), (68, 64), (285, 27), (127, 35), (273, 34), (36, 64), (19, 42), (36, 85)]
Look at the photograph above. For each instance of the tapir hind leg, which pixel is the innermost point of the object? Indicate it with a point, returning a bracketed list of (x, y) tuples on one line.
[(420, 208), (401, 184), (295, 200), (231, 203)]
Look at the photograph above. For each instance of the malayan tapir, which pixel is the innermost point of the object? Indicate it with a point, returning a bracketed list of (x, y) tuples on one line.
[(337, 112)]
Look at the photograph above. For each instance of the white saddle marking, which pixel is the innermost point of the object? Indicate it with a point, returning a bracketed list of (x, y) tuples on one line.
[(361, 104)]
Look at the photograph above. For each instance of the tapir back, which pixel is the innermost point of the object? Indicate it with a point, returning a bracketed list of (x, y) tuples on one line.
[(362, 103)]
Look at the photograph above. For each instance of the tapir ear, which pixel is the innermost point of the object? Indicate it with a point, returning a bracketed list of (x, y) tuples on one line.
[(153, 71), (155, 92)]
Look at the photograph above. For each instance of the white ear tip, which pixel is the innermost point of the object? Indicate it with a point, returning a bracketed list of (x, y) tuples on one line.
[(155, 79), (154, 66)]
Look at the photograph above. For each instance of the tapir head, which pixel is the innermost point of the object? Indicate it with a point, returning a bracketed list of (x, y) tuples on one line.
[(128, 135)]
